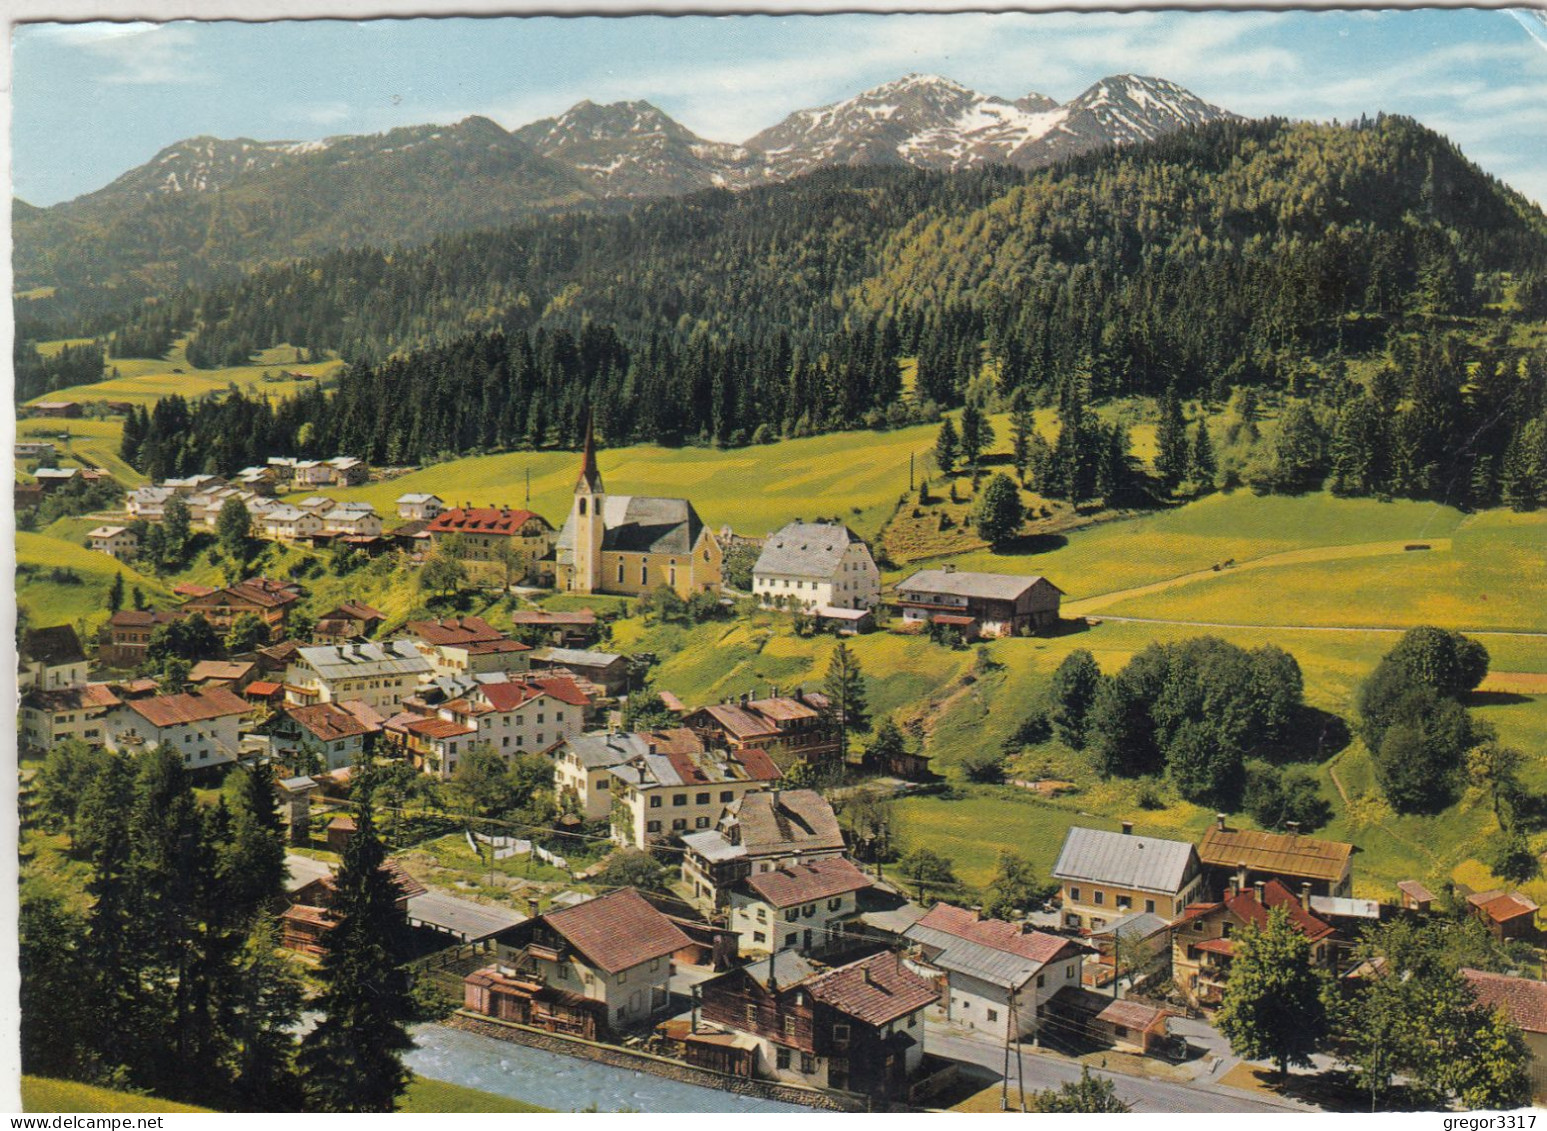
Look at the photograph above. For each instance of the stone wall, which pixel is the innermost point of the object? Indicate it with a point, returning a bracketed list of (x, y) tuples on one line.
[(647, 1062)]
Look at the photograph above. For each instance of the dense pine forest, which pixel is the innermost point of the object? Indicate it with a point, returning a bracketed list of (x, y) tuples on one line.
[(1241, 255)]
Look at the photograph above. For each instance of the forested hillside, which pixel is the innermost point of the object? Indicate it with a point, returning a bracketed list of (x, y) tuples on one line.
[(1262, 255)]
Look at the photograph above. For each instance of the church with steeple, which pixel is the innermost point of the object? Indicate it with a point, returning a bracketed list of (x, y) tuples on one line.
[(630, 545)]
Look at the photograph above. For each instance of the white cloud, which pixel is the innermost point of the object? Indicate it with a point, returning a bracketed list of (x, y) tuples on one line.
[(322, 113), (139, 54)]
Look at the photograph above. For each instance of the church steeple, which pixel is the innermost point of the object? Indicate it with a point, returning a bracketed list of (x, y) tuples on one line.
[(590, 480)]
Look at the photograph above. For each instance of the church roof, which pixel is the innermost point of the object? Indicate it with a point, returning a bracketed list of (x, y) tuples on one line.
[(590, 475), (642, 524)]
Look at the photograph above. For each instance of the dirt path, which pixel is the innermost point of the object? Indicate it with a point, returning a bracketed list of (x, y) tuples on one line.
[(1100, 601)]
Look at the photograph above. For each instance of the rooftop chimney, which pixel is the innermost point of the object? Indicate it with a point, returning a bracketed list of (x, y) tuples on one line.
[(1240, 876), (531, 906), (1219, 821), (1305, 895), (1293, 827), (1127, 828), (1262, 897)]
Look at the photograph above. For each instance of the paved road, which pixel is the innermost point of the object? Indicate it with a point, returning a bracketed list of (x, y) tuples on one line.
[(1045, 1071)]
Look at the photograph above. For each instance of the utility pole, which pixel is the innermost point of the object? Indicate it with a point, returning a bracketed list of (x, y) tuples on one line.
[(529, 484), (910, 472)]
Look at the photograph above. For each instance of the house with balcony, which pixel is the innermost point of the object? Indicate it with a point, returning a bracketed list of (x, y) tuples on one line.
[(126, 636), (757, 832), (856, 1028), (979, 604), (1105, 876), (1203, 938), (596, 969), (204, 727), (52, 659), (270, 601), (115, 541), (336, 734), (463, 646), (418, 505), (51, 716), (790, 728)]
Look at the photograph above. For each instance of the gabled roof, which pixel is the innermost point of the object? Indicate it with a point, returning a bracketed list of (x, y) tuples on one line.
[(581, 618), (997, 952), (219, 669), (189, 707), (1279, 854), (416, 497), (875, 990), (576, 657), (329, 722), (92, 696), (676, 757), (805, 549), (454, 630), (53, 646), (1523, 1000), (259, 591), (1415, 890), (1500, 905), (617, 931), (964, 583), (346, 661), (1245, 906), (1125, 860), (484, 520), (601, 751), (795, 884), (771, 820)]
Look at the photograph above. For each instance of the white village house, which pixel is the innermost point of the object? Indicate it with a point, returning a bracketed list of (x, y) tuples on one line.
[(817, 565), (380, 675)]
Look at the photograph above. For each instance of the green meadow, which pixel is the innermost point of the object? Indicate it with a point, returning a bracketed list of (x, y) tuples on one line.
[(40, 1094)]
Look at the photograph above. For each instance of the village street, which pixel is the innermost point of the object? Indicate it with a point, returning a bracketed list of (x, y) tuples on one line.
[(1043, 1070)]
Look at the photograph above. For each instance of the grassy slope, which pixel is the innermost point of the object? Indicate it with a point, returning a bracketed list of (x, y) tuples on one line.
[(145, 380), (49, 602)]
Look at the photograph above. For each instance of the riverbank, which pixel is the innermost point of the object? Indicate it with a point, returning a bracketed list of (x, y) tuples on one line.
[(472, 1057)]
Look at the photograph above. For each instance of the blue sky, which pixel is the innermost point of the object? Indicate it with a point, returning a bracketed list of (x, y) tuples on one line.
[(91, 101)]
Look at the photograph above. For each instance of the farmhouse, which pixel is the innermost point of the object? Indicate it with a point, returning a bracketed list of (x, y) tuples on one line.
[(1238, 857), (380, 675), (305, 923), (357, 519), (1203, 938), (1105, 876), (995, 977), (790, 728), (614, 950), (63, 410), (115, 541), (269, 601), (678, 785), (202, 726), (979, 604), (51, 478), (814, 566), (757, 832), (33, 449), (631, 544), (566, 630), (855, 1028), (289, 524)]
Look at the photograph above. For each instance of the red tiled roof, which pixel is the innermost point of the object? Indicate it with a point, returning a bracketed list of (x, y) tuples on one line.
[(262, 689), (617, 931), (509, 695), (562, 688), (190, 707), (1524, 1000), (259, 591), (1217, 946), (876, 990), (740, 722), (493, 647), (191, 589), (483, 520), (1501, 906), (1133, 1015), (85, 698), (363, 711), (454, 630), (1244, 906), (1038, 946), (759, 764), (804, 883), (328, 721)]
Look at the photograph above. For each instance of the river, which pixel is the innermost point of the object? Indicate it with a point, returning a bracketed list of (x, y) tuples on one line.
[(563, 1083)]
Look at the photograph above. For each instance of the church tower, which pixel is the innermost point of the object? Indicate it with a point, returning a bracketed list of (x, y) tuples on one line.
[(587, 519)]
